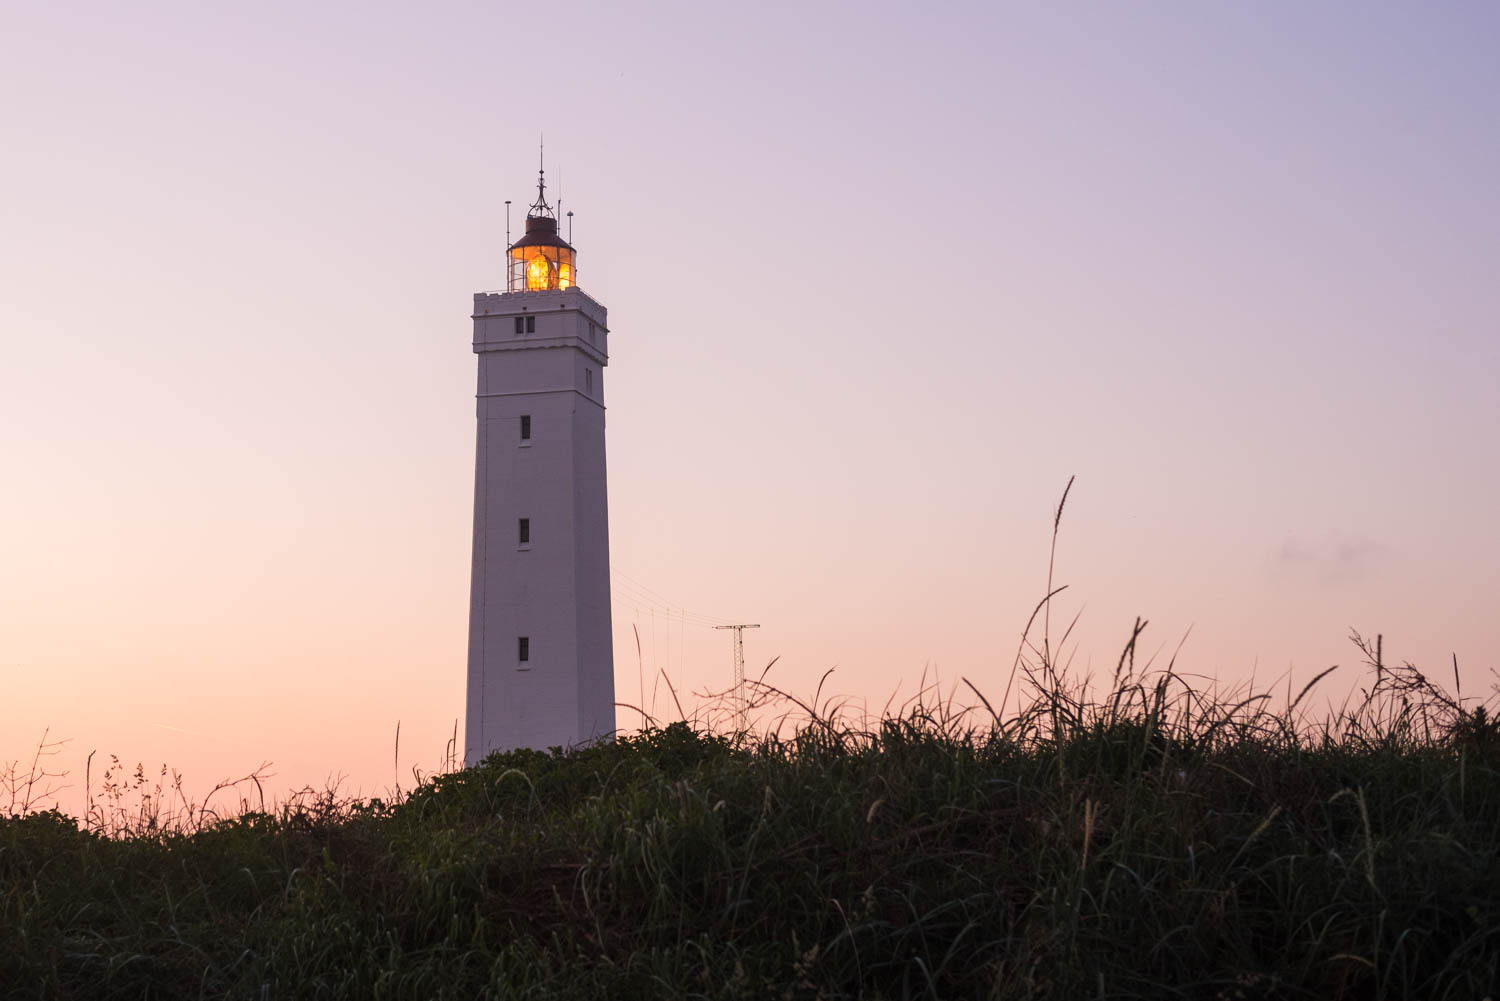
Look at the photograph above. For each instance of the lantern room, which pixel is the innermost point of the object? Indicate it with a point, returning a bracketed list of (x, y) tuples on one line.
[(541, 259)]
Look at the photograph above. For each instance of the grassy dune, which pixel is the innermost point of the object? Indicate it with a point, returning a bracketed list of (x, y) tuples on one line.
[(1148, 842)]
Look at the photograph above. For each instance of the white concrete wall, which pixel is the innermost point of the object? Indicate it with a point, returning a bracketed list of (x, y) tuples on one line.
[(555, 591)]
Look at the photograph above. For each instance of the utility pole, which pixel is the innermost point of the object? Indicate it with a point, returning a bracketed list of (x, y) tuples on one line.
[(741, 704)]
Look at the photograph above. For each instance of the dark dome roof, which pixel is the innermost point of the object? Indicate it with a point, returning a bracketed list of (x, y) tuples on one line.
[(541, 231)]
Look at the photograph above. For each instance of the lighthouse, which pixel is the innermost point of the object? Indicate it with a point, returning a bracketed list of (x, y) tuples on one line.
[(541, 660)]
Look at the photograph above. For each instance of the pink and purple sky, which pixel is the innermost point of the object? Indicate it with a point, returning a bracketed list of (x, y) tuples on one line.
[(881, 277)]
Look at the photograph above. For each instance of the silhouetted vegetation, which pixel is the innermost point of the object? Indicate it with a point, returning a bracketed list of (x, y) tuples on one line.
[(1141, 839), (1153, 842)]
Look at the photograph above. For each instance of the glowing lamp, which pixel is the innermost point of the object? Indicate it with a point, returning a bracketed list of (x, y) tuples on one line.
[(541, 259)]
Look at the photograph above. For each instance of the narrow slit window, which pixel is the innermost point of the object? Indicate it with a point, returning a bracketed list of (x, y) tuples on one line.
[(588, 380), (524, 532), (531, 324), (523, 648), (525, 427), (520, 325)]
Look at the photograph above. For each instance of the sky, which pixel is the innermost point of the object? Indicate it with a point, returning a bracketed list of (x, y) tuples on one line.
[(881, 279)]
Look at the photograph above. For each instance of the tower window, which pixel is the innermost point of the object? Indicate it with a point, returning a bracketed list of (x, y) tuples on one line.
[(531, 324), (525, 427), (520, 324), (591, 331), (588, 380), (525, 531), (523, 648)]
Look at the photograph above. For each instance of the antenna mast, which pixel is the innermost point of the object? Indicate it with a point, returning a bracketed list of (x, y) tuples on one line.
[(741, 704)]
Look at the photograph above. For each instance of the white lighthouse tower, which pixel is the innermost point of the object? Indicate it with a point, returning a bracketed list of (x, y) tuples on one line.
[(541, 660)]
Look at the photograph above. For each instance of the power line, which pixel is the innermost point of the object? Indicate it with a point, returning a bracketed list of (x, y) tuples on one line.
[(642, 597), (739, 701), (633, 600), (640, 586), (661, 600), (646, 597)]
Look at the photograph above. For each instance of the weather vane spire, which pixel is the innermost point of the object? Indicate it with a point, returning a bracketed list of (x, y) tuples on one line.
[(540, 208)]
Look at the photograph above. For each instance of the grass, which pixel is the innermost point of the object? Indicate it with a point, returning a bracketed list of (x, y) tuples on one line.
[(1151, 842), (1138, 839)]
